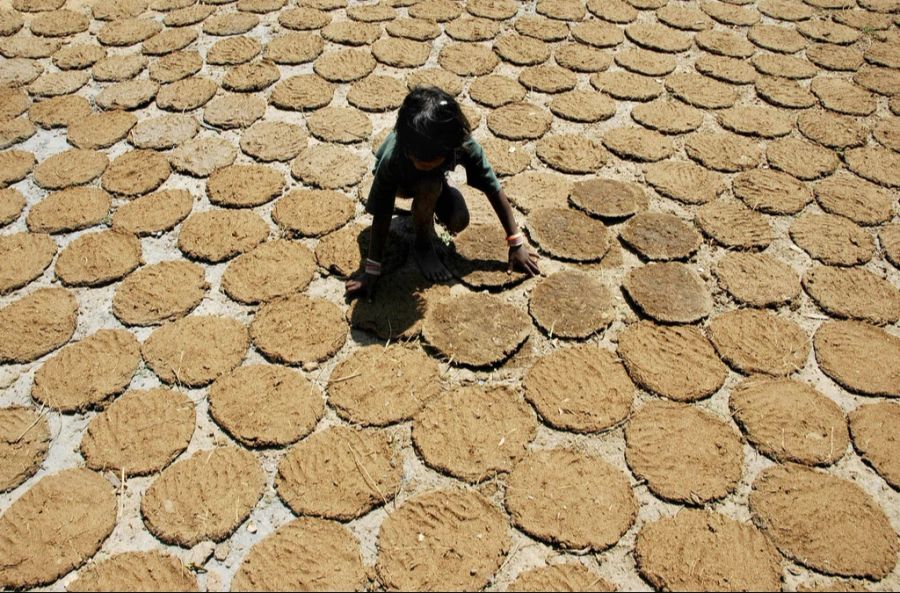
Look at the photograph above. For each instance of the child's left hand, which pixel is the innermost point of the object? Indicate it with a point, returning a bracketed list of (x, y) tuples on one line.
[(523, 259)]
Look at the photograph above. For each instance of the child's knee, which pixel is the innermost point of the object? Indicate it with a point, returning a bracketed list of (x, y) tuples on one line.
[(458, 220)]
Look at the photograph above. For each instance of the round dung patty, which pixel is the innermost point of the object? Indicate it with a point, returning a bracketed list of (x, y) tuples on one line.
[(571, 304), (757, 279), (676, 362), (304, 554), (757, 121), (344, 125), (788, 420), (467, 59), (160, 292), (860, 357), (99, 258), (458, 534), (312, 213), (328, 167), (24, 442), (684, 181), (379, 385), (294, 48), (832, 240), (164, 132), (339, 473), (194, 350), (244, 186), (344, 65), (568, 234), (89, 372), (702, 549), (480, 258), (853, 293), (150, 571), (725, 152), (273, 269), (377, 93), (60, 171), (598, 396), (571, 499), (660, 236), (733, 225), (135, 173), (877, 164), (203, 497), (140, 433), (667, 116), (55, 526), (234, 111), (823, 522), (218, 235), (684, 454), (450, 327), (875, 428), (771, 191), (36, 324), (533, 189), (669, 292), (23, 258), (754, 341), (519, 121), (265, 405), (59, 112), (801, 159), (69, 210), (473, 433), (570, 576), (297, 329), (186, 94)]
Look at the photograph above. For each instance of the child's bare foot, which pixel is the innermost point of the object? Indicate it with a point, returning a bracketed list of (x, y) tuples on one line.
[(429, 263)]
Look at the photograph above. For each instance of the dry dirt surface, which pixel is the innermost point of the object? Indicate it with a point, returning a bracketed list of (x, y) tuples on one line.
[(701, 390)]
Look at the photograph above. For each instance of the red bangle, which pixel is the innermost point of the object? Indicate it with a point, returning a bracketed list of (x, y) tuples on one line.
[(373, 268), (515, 240)]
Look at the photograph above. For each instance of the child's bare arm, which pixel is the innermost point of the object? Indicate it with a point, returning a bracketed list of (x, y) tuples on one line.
[(363, 285), (520, 257)]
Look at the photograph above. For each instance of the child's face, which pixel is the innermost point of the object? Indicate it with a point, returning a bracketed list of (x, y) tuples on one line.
[(427, 165)]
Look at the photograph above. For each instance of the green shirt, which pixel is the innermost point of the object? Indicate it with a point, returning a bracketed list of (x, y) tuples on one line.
[(394, 172)]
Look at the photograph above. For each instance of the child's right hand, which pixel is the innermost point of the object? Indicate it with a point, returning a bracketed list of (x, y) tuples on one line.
[(361, 285)]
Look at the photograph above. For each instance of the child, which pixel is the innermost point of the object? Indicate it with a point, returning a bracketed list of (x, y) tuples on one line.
[(431, 138)]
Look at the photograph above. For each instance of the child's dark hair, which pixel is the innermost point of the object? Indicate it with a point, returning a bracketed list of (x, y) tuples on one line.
[(430, 124)]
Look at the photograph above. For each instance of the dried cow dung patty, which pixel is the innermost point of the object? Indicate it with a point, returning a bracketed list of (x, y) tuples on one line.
[(305, 553), (701, 549), (151, 570), (24, 442), (823, 522), (554, 495), (685, 455), (476, 330), (340, 473), (140, 433), (41, 541), (176, 510), (458, 532), (457, 433)]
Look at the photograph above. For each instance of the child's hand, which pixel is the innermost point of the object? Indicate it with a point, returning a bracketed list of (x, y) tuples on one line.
[(523, 259), (363, 285)]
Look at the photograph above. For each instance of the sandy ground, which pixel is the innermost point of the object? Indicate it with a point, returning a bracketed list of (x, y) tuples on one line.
[(617, 564)]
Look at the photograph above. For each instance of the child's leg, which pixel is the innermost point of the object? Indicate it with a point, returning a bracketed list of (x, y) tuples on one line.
[(426, 196)]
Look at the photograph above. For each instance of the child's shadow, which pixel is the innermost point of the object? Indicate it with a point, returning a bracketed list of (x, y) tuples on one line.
[(402, 295), (398, 307)]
